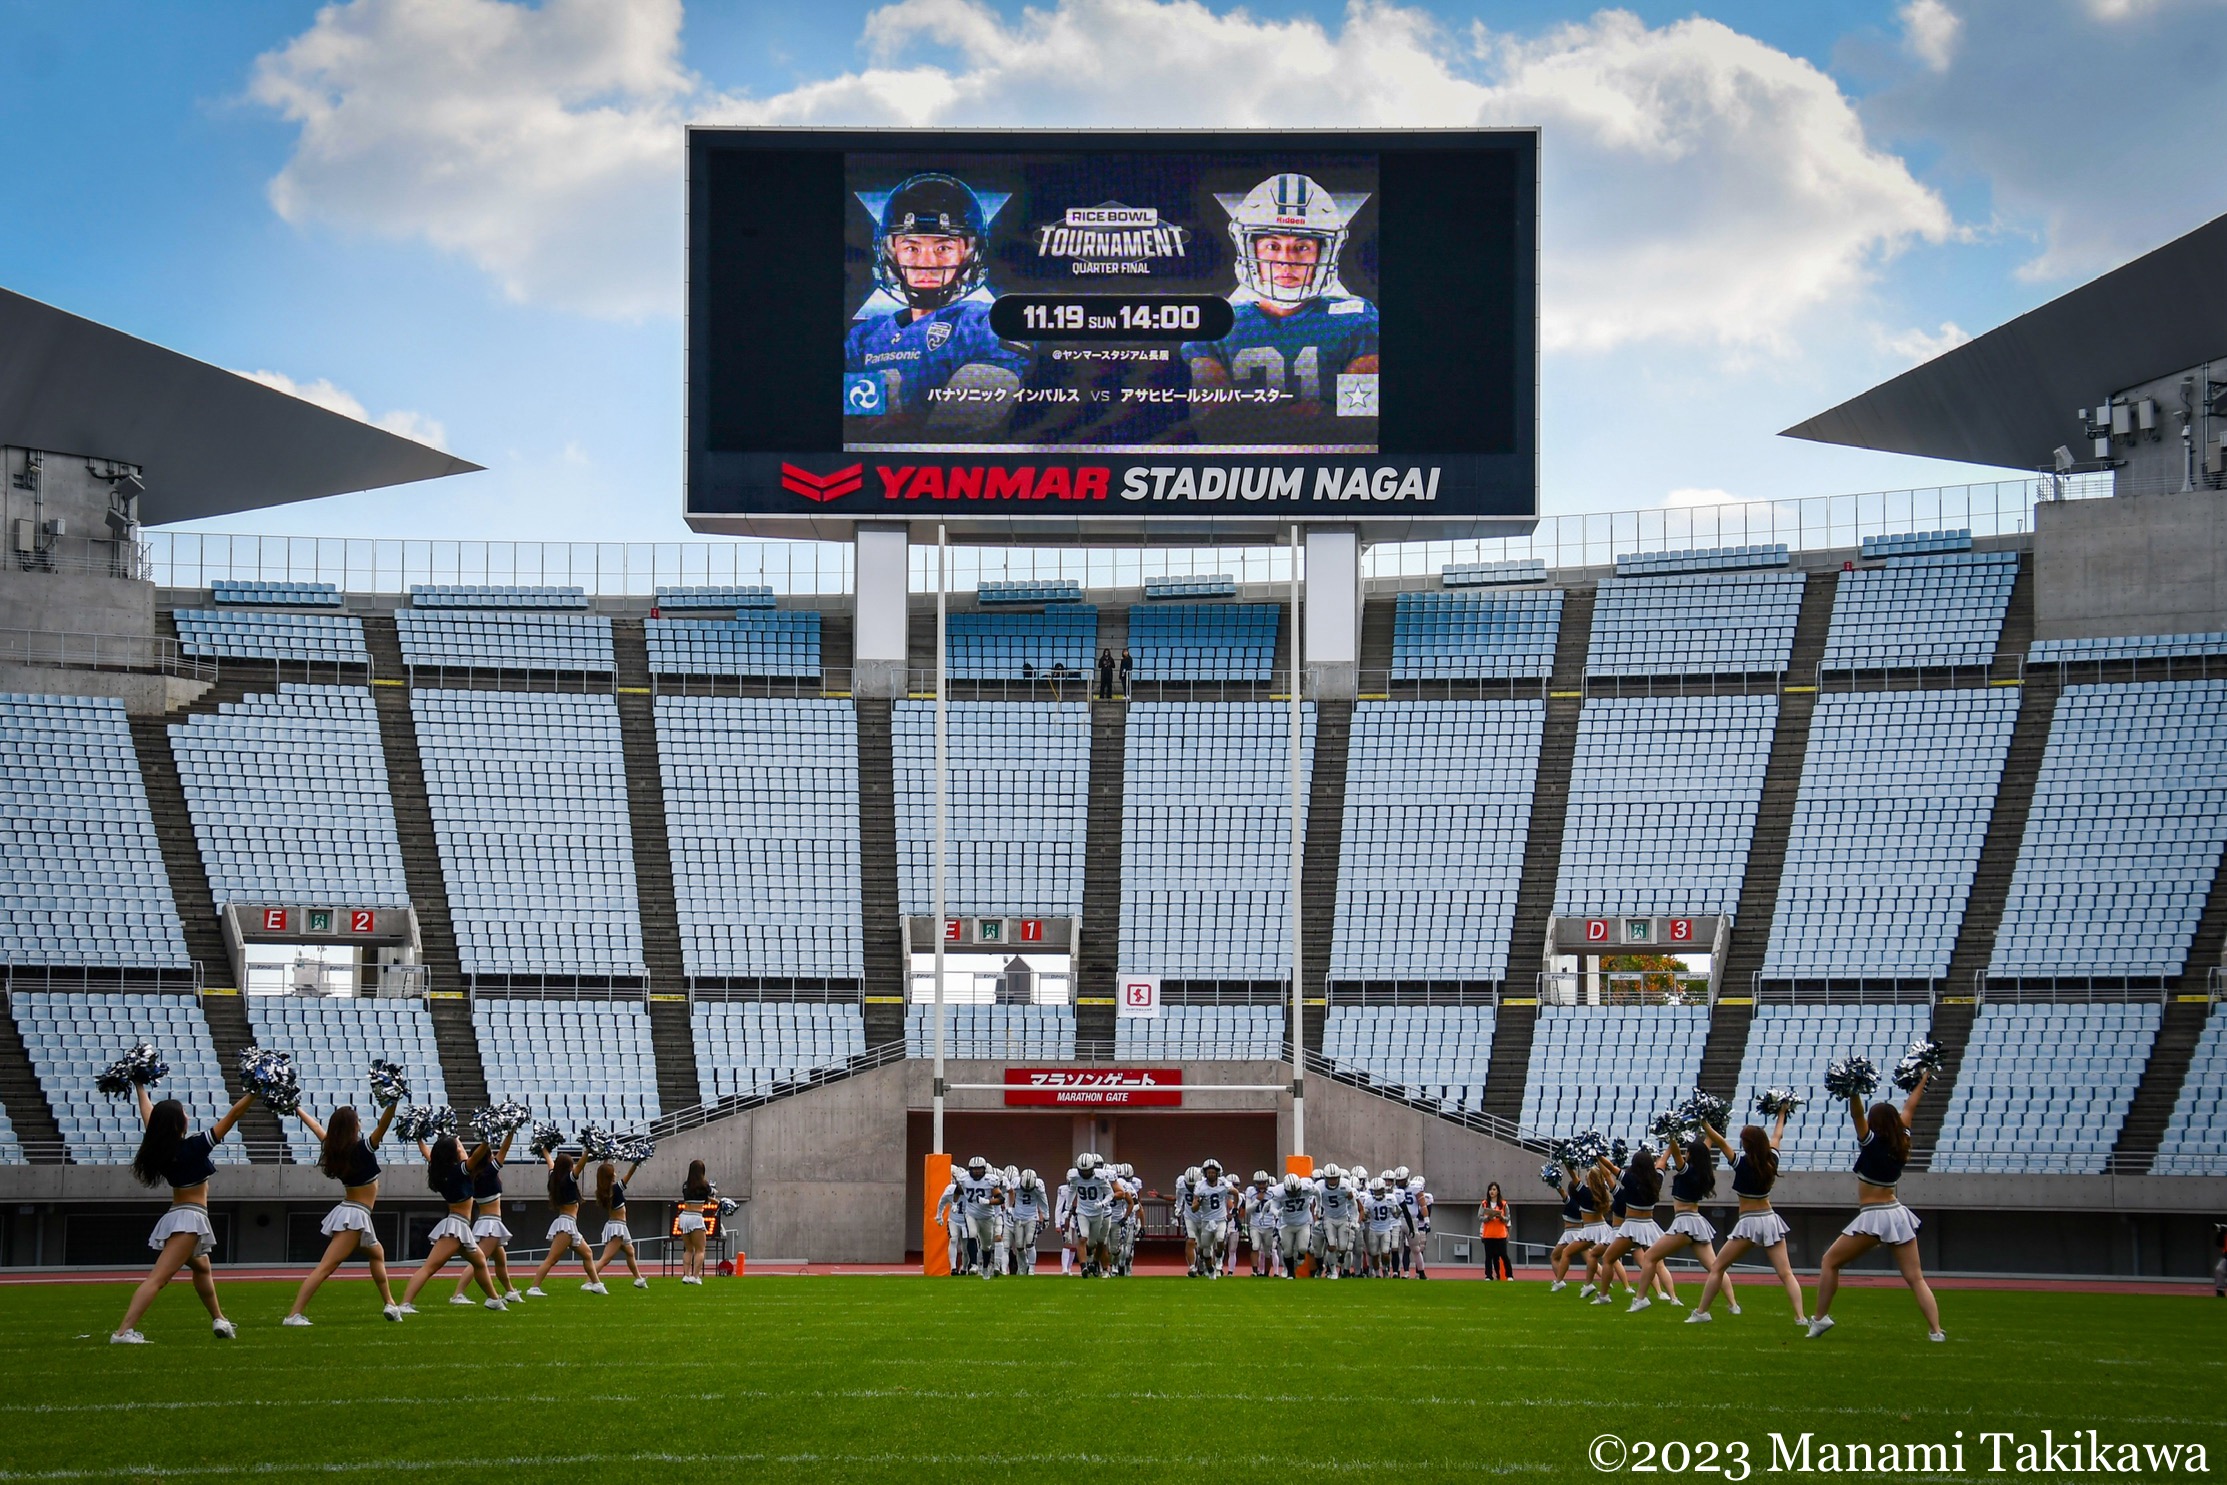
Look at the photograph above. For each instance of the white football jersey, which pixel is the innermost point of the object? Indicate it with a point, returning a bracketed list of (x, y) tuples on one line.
[(1295, 1208), (1094, 1193), (1063, 1203), (1029, 1201), (1384, 1213), (1209, 1202), (1337, 1203)]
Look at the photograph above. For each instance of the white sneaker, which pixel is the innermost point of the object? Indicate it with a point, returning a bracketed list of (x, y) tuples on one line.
[(127, 1338), (691, 1279), (1637, 1305), (496, 1304), (595, 1288), (1735, 1309), (1558, 1286), (1819, 1326), (1936, 1335), (460, 1299), (536, 1292), (1602, 1298), (641, 1283), (295, 1320), (225, 1330), (1700, 1317), (512, 1296), (392, 1312), (1678, 1304), (1586, 1292), (406, 1309)]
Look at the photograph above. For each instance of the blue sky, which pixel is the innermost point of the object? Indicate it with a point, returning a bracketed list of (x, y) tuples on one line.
[(461, 217)]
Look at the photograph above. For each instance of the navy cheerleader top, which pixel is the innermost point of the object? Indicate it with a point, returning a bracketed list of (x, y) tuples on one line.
[(453, 1184), (361, 1167), (487, 1181), (1572, 1208), (1749, 1182), (1878, 1165), (618, 1197), (567, 1190), (193, 1164), (1692, 1184)]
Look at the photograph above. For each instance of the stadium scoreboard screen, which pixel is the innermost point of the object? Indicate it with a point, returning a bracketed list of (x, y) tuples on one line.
[(1100, 332)]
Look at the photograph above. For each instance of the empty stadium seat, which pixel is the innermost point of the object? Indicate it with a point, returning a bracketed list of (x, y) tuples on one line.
[(1437, 808), (562, 643), (2195, 1142), (1702, 559), (2045, 1087), (1914, 543), (82, 881), (1034, 1033), (1700, 625), (1897, 790), (1437, 1053), (999, 647), (1203, 641), (2063, 652), (747, 1046), (1917, 613), (327, 639), (528, 796), (289, 799), (1663, 795), (1611, 1068), (2124, 835), (773, 643), (1028, 590), (1490, 574), (571, 1061), (1218, 1033), (72, 1035), (731, 596), (11, 1148), (1221, 585), (1018, 807), (1475, 636), (497, 595), (1789, 1046), (274, 594), (761, 809), (1206, 839), (333, 1043)]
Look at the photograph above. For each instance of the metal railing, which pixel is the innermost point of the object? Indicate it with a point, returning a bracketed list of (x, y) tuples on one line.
[(2068, 989), (1625, 987), (103, 558), (831, 681), (145, 654), (1413, 992), (1825, 990), (1897, 677), (1476, 1120), (665, 1126), (2074, 669), (433, 676), (479, 987), (1746, 683), (31, 978)]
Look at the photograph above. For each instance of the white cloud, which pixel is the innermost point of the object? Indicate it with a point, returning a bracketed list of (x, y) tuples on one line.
[(400, 421), (1691, 497), (1915, 345), (1929, 32), (1700, 186)]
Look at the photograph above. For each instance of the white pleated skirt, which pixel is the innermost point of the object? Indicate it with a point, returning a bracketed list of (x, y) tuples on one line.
[(619, 1230), (1893, 1224), (1644, 1232), (1693, 1225), (452, 1227), (564, 1224), (491, 1227), (691, 1222), (1764, 1229), (350, 1216), (185, 1219)]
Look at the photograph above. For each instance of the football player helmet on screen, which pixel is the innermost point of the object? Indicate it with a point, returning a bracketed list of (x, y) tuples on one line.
[(934, 206), (1288, 206)]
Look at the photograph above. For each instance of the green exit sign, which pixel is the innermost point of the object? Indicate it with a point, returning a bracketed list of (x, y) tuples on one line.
[(320, 920)]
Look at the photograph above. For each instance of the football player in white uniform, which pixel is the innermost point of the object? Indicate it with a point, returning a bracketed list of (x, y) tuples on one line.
[(1337, 1222), (1133, 1221), (1419, 1202), (1260, 1223), (1063, 1218), (981, 1193), (1208, 1211), (1094, 1213), (1384, 1219), (1294, 1201), (1030, 1202)]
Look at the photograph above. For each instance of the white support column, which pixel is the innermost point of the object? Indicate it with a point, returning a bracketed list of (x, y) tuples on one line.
[(1297, 863), (1333, 641), (878, 629)]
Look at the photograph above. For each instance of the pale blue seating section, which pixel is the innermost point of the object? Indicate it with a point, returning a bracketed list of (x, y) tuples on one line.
[(1018, 807), (1914, 543), (996, 647), (1917, 613), (761, 808), (781, 643), (570, 1061), (1475, 636), (1036, 1033), (1203, 641), (497, 595), (1789, 1046), (1701, 559), (1204, 1033), (1221, 585), (1029, 590), (333, 1042), (1663, 795), (2045, 1087), (1206, 817), (11, 1148), (1897, 789), (2126, 647), (289, 799), (1438, 1053), (2124, 836), (81, 876), (1611, 1068), (1437, 807), (750, 1046), (325, 639), (2195, 1142), (1703, 625), (734, 596), (504, 641), (274, 594), (528, 796), (72, 1035), (1493, 574)]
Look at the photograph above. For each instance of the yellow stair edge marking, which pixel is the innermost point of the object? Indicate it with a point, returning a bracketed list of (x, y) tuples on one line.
[(2192, 1000), (1565, 695), (2006, 683), (382, 681), (1800, 691), (217, 990), (444, 995), (835, 696), (1094, 1000), (670, 999), (1960, 1000), (1312, 1001), (1513, 1000), (634, 690), (1735, 1000), (885, 1000)]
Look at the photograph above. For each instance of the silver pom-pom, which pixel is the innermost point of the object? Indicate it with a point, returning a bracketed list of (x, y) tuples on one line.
[(440, 1123), (1619, 1152), (596, 1143), (1588, 1148), (419, 1122), (1666, 1125), (497, 1120), (1772, 1102), (138, 1068), (547, 1139), (1706, 1108), (1925, 1056), (728, 1206), (634, 1149), (390, 1085), (1851, 1077), (270, 1076), (1551, 1175)]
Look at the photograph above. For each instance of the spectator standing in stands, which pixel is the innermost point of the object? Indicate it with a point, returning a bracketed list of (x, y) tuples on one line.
[(1492, 1231), (1105, 675), (1128, 666)]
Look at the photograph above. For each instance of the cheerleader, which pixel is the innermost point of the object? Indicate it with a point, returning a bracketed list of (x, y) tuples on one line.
[(183, 1238), (1574, 1242), (698, 1198), (1633, 1216), (488, 1227), (452, 1235), (564, 1227), (345, 1155), (1883, 1149), (1755, 1170), (1600, 1232), (618, 1236), (1694, 1181)]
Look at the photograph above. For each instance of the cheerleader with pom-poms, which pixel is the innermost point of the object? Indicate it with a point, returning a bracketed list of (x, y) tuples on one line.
[(564, 1226), (1574, 1242), (1692, 1182), (452, 1236), (1632, 1217), (698, 1200), (1882, 1150), (347, 1155), (1755, 1169), (618, 1234), (169, 1156), (493, 1234)]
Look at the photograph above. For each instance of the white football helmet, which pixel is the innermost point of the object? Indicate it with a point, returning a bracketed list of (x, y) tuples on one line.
[(1291, 1182), (1332, 1170), (1360, 1174), (1126, 1170), (1260, 1178), (1414, 1183), (978, 1167), (1288, 206), (1086, 1162), (1399, 1173), (1194, 1175), (1028, 1178), (1213, 1165), (1377, 1187)]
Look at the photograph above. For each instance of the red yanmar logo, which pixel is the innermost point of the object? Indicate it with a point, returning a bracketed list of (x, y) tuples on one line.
[(823, 487)]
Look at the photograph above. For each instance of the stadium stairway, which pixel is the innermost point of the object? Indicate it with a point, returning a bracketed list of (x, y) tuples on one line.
[(1726, 1047), (1101, 926), (453, 1036), (2017, 633), (221, 1002), (1782, 782), (1318, 864), (1542, 851), (2162, 1076), (2006, 829), (672, 1037), (25, 1101), (1952, 1028), (1377, 616), (884, 948)]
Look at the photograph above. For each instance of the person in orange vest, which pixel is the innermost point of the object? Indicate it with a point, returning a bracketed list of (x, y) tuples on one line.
[(1492, 1231)]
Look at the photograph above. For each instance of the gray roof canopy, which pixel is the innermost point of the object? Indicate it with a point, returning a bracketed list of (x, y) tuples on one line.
[(2008, 397), (210, 441)]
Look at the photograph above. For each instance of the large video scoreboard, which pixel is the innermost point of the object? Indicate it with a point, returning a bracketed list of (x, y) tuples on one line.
[(1091, 333)]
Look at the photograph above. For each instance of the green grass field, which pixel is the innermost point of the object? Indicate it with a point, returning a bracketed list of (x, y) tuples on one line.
[(911, 1379)]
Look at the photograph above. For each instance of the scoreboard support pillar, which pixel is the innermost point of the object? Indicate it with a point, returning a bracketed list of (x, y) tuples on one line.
[(1333, 619), (881, 567)]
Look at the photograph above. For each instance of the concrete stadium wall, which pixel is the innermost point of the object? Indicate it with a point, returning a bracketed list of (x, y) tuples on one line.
[(2147, 564)]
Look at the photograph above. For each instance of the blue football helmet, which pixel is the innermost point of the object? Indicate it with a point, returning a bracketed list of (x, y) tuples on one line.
[(931, 205)]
